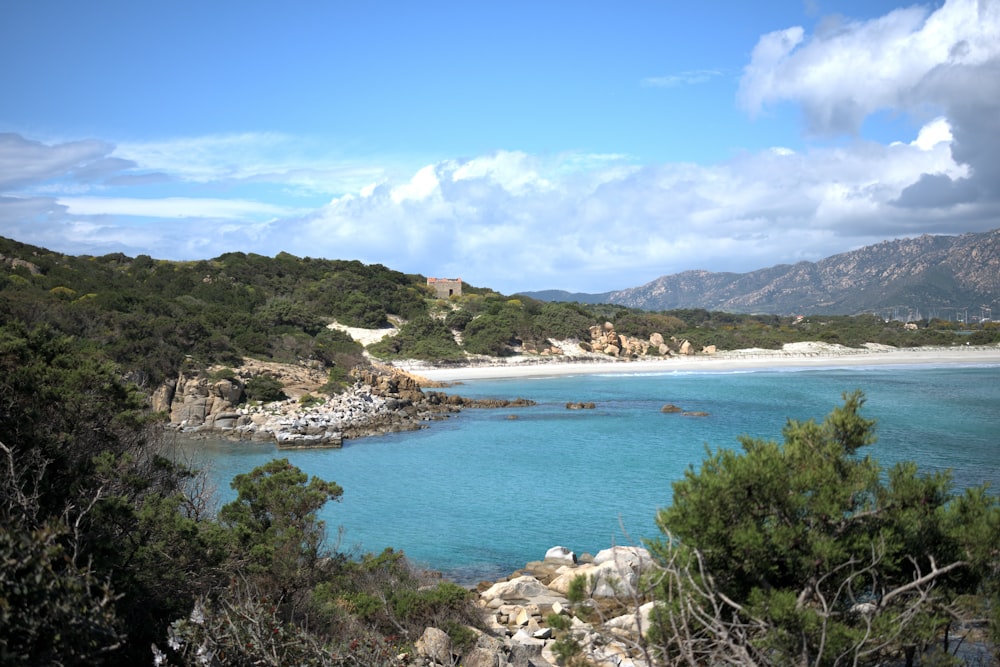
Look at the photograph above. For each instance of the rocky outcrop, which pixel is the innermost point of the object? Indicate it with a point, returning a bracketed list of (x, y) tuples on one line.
[(604, 338), (517, 609), (14, 263), (380, 402)]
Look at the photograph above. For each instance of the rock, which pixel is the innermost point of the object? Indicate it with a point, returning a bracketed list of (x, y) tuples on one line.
[(614, 572), (481, 657), (436, 645), (527, 654), (520, 588), (228, 390), (633, 557), (589, 405), (686, 348), (696, 413), (525, 638), (561, 555), (656, 339), (163, 396), (708, 349), (670, 407), (631, 623)]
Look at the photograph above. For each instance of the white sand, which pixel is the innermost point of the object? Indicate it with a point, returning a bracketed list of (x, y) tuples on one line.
[(795, 355)]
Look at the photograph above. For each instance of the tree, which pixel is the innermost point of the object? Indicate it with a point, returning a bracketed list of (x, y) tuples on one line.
[(274, 520), (809, 553), (52, 611)]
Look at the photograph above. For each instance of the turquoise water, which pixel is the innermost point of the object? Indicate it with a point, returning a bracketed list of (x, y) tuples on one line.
[(479, 495)]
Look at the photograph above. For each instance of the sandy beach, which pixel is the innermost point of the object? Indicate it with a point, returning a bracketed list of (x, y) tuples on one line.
[(794, 355)]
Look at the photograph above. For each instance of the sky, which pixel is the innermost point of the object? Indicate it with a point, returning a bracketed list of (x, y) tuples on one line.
[(585, 146)]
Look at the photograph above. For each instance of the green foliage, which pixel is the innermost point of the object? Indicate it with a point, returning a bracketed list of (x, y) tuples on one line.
[(308, 400), (51, 611), (458, 319), (148, 315), (265, 388), (791, 537), (578, 587), (274, 519), (563, 321), (388, 596), (423, 337)]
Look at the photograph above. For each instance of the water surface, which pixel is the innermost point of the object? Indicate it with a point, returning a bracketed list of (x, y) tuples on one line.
[(481, 494)]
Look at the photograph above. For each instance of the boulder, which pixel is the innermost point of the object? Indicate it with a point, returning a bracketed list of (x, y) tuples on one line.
[(481, 657), (561, 555), (614, 572), (436, 645), (519, 588), (656, 339), (228, 390), (631, 623), (686, 348), (633, 557), (163, 396)]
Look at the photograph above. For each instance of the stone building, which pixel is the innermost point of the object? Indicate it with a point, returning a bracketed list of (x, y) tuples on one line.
[(445, 287)]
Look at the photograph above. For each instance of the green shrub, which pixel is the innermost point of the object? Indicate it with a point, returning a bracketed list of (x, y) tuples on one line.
[(307, 400), (265, 388)]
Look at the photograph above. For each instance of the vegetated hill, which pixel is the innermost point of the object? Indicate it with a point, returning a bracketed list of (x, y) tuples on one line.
[(920, 277), (568, 297)]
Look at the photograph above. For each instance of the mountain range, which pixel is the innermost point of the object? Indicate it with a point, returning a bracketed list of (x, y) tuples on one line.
[(927, 276)]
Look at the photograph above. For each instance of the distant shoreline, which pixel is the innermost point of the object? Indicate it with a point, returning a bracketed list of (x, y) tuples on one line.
[(795, 355)]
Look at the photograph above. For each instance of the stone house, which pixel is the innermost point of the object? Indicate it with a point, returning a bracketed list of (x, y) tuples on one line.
[(445, 287)]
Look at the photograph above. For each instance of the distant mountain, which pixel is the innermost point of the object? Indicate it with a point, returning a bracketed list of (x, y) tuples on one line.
[(926, 276)]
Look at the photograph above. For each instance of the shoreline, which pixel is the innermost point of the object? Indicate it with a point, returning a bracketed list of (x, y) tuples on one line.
[(794, 356)]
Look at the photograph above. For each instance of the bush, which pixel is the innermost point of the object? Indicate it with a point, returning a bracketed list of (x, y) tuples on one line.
[(265, 388)]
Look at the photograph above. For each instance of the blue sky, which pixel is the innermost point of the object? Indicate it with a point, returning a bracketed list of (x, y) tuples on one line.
[(584, 146)]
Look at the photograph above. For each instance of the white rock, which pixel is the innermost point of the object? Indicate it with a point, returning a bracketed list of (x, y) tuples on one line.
[(561, 554), (520, 588)]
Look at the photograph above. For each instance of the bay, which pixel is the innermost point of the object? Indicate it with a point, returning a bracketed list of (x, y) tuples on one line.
[(479, 495)]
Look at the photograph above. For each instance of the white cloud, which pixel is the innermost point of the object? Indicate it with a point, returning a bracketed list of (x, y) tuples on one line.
[(173, 207), (23, 161), (933, 133), (251, 157), (943, 63), (687, 78), (423, 184)]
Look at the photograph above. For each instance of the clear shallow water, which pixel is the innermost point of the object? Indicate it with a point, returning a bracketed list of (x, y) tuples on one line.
[(479, 495)]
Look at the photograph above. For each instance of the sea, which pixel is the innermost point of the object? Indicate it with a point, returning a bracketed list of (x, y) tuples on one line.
[(482, 493)]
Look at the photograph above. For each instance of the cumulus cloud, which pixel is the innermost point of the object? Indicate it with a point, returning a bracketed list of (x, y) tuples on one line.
[(912, 61), (624, 224), (23, 161)]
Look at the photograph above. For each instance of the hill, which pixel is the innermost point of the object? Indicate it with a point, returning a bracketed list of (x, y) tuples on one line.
[(919, 278)]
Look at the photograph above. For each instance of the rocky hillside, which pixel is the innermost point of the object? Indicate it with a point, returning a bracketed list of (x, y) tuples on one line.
[(923, 275)]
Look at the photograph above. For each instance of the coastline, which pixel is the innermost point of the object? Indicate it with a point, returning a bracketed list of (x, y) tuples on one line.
[(794, 355)]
